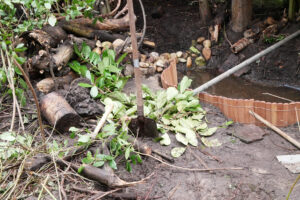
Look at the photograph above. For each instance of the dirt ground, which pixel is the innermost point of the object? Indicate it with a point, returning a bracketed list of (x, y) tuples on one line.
[(261, 178)]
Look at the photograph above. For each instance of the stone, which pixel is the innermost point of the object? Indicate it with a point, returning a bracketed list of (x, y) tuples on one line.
[(118, 43), (200, 40), (165, 56), (106, 45), (173, 56), (200, 61), (143, 57), (144, 65), (160, 63), (129, 70), (182, 60), (179, 54), (97, 50), (154, 56), (151, 70), (144, 71), (249, 133), (207, 43), (159, 69), (189, 62), (206, 52)]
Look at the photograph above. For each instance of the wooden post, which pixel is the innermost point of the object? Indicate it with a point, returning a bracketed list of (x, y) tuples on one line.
[(204, 10), (241, 14)]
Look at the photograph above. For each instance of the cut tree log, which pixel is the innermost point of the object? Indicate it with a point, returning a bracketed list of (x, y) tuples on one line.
[(58, 112), (205, 14), (241, 14)]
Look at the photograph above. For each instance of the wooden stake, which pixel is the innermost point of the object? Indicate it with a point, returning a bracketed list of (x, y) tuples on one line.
[(277, 130)]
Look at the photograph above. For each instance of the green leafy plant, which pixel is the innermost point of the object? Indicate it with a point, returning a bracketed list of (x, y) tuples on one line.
[(274, 38), (104, 73)]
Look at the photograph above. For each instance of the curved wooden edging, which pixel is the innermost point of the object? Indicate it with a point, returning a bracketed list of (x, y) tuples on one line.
[(279, 114)]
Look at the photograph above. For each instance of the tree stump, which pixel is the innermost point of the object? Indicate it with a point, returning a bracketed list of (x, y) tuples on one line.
[(241, 14)]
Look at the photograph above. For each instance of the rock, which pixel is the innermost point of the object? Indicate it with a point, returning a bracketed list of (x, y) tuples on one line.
[(106, 45), (249, 133), (97, 50), (128, 50), (151, 70), (143, 57), (165, 56), (159, 69), (207, 43), (118, 43), (154, 56), (129, 70), (144, 65), (173, 56), (185, 55), (160, 63), (189, 62), (200, 61), (98, 43), (206, 52), (179, 54), (200, 40), (149, 44), (144, 71), (199, 47), (194, 55), (182, 60)]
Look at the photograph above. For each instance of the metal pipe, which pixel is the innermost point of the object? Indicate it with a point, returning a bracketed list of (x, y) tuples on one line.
[(245, 63)]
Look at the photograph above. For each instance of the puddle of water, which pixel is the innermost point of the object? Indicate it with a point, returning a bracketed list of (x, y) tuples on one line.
[(239, 88)]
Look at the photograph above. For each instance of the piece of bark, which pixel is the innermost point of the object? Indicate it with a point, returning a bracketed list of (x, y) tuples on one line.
[(58, 112), (241, 14), (56, 32), (80, 99), (80, 40), (47, 85)]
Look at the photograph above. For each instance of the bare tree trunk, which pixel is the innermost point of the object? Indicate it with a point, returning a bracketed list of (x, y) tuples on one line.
[(241, 14), (204, 11)]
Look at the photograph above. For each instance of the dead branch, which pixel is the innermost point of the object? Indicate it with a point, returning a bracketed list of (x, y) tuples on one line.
[(47, 85), (108, 24)]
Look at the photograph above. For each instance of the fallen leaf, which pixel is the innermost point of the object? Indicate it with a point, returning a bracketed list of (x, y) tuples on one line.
[(177, 151)]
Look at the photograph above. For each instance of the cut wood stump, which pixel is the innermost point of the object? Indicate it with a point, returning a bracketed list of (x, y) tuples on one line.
[(58, 112)]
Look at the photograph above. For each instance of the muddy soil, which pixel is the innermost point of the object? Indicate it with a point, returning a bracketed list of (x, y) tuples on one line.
[(178, 24)]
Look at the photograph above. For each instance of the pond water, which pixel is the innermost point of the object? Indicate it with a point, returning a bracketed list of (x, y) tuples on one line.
[(235, 87)]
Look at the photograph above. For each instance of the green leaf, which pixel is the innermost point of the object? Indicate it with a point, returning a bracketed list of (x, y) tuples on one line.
[(23, 83), (201, 126), (209, 131), (210, 143), (7, 136), (127, 153), (80, 169), (194, 50), (119, 96), (112, 164), (121, 58), (85, 85), (177, 151), (189, 134), (94, 91), (47, 5), (128, 166), (86, 50), (165, 139), (84, 139), (171, 93), (98, 163), (52, 20), (87, 160), (73, 129), (161, 99), (184, 84), (181, 138), (181, 105)]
